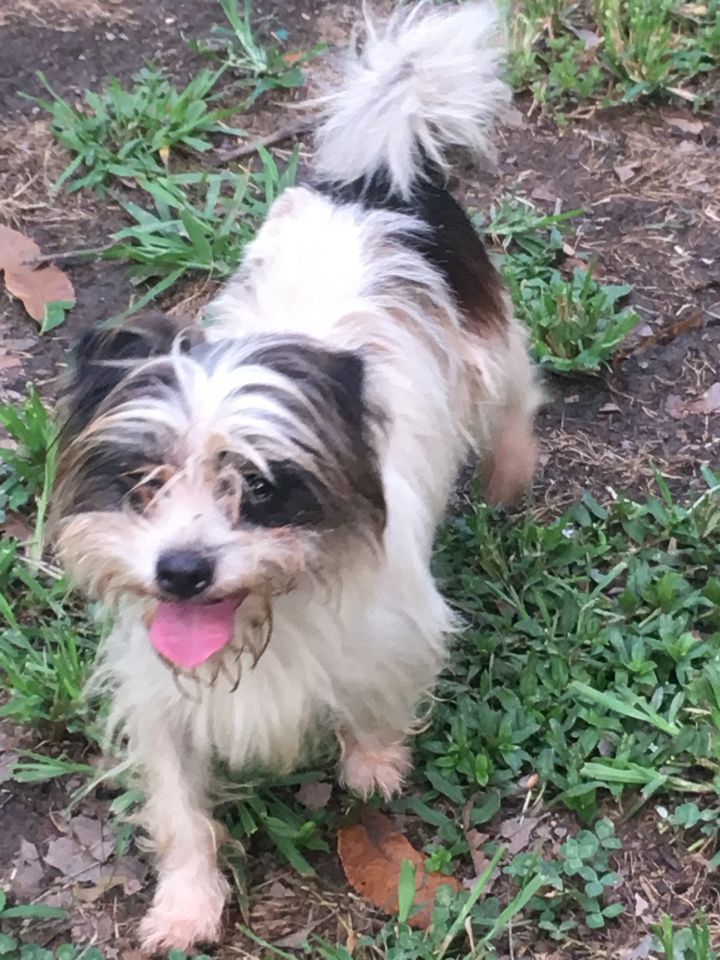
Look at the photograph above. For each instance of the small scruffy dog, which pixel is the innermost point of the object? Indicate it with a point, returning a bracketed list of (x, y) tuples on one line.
[(255, 500)]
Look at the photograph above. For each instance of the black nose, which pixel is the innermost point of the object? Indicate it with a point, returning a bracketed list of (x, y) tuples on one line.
[(183, 573)]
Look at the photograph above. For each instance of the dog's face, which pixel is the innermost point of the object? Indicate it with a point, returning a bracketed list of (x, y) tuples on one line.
[(197, 473)]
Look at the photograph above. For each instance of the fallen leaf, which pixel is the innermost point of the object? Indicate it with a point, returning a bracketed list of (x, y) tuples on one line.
[(28, 872), (675, 407), (693, 127), (279, 891), (641, 905), (372, 854), (16, 249), (39, 288), (7, 361), (589, 38), (640, 952), (16, 526), (94, 835), (625, 171), (544, 192), (475, 840), (315, 796), (297, 940), (710, 403), (74, 862), (36, 288), (518, 831)]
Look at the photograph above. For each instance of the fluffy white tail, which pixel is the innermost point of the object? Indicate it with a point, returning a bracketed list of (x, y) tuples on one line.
[(427, 80)]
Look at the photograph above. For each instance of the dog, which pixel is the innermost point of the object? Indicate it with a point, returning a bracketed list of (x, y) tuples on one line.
[(254, 499)]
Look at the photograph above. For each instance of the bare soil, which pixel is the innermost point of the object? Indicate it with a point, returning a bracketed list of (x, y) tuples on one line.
[(656, 228)]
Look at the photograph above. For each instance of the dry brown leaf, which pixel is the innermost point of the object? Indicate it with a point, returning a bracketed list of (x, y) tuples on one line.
[(692, 127), (28, 877), (8, 361), (518, 831), (16, 249), (315, 796), (475, 840), (625, 171), (710, 403), (675, 407), (640, 952), (36, 288), (372, 854), (15, 526), (74, 862), (589, 38), (93, 834)]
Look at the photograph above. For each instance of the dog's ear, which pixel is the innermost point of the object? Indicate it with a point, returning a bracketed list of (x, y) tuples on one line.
[(101, 359)]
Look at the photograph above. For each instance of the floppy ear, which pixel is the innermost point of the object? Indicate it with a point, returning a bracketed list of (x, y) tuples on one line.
[(100, 362)]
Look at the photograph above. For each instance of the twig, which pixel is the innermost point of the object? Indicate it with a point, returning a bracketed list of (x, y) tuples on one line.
[(65, 255), (293, 129)]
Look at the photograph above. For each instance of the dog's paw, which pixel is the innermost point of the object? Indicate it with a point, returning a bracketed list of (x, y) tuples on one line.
[(369, 769), (187, 910)]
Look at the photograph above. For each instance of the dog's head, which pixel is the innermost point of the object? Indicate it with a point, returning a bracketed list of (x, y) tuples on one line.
[(197, 474)]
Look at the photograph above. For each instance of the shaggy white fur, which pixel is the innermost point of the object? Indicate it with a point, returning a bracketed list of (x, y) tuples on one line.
[(356, 649)]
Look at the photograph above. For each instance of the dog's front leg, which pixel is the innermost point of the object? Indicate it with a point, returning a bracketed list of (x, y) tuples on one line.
[(191, 891)]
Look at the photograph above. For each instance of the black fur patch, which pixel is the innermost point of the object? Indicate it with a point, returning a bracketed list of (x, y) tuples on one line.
[(100, 364), (332, 382), (102, 360), (452, 246)]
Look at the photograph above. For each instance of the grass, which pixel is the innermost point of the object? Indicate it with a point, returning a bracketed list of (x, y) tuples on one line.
[(591, 660), (134, 133), (129, 133), (615, 51), (196, 223), (258, 66), (590, 666), (576, 322)]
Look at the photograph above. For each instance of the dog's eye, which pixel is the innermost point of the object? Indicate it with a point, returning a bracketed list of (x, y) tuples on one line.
[(286, 500), (145, 489), (261, 490)]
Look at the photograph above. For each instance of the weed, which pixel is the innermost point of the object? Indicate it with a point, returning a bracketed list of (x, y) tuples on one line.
[(200, 222), (129, 133), (27, 463), (46, 643), (692, 818), (614, 50), (622, 600), (581, 878), (260, 67), (575, 324), (688, 943)]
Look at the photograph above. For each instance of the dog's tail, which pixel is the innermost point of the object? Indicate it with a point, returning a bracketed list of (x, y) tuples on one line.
[(430, 79)]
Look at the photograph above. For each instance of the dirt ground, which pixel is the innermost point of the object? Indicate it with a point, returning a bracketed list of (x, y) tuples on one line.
[(650, 189)]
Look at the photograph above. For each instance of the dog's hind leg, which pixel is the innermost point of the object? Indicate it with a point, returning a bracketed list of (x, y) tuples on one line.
[(507, 463)]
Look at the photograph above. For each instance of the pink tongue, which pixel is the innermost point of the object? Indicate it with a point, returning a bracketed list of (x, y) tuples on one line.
[(187, 634)]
